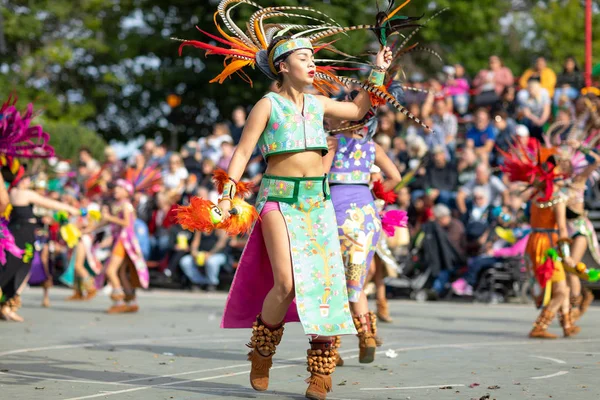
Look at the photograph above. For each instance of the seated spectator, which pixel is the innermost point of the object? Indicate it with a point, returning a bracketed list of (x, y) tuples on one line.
[(525, 141), (211, 146), (236, 126), (482, 135), (490, 83), (208, 251), (505, 133), (495, 191), (175, 176), (160, 224), (542, 74), (434, 137), (569, 82), (457, 90), (443, 248), (192, 158), (467, 163), (534, 108), (508, 103), (479, 210), (441, 178)]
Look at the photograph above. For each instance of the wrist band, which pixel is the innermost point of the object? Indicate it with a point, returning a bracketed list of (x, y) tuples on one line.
[(584, 150), (83, 211), (564, 248), (376, 77), (229, 190)]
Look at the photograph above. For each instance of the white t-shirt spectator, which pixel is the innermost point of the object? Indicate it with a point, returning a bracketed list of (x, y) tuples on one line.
[(525, 100), (172, 180)]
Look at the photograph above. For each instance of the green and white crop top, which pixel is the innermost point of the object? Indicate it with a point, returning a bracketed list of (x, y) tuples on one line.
[(291, 131)]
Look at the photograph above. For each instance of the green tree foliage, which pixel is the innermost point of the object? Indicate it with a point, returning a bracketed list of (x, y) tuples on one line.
[(67, 138), (110, 65)]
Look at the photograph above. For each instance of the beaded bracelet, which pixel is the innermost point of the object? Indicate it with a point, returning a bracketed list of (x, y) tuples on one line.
[(376, 77)]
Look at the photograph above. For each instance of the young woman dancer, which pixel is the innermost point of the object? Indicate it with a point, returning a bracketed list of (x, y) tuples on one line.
[(23, 224), (126, 269), (305, 265)]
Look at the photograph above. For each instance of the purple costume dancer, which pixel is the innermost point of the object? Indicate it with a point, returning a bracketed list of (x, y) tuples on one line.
[(359, 225)]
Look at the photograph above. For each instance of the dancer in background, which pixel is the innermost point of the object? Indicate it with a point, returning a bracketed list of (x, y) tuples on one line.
[(548, 231), (354, 153), (127, 270)]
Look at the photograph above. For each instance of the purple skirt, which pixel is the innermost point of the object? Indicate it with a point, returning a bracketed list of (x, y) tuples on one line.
[(359, 227)]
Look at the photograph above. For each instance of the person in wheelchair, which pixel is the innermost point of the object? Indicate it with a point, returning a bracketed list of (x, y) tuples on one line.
[(505, 238)]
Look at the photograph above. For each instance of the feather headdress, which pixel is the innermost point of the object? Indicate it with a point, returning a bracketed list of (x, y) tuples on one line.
[(18, 137), (306, 26), (146, 180)]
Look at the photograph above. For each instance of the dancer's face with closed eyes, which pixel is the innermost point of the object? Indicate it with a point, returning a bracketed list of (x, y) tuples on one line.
[(299, 67)]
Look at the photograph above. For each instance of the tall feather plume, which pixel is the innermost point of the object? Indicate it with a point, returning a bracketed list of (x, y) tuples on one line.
[(377, 92)]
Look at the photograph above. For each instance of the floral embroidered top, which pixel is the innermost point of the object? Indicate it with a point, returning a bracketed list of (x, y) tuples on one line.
[(289, 130), (353, 161)]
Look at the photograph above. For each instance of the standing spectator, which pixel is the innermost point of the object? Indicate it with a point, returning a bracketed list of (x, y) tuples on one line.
[(569, 82), (85, 157), (490, 83), (236, 126), (534, 107), (148, 149), (495, 192), (112, 163), (457, 90), (226, 153), (192, 158), (443, 118), (211, 146), (175, 176), (482, 135), (542, 73)]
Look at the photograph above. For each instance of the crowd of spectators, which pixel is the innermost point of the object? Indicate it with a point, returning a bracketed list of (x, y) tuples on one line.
[(457, 185)]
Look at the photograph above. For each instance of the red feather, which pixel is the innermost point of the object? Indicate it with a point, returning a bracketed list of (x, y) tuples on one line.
[(196, 216), (379, 192), (243, 189), (544, 272)]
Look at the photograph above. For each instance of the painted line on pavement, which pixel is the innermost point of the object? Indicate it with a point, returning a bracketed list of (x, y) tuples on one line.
[(551, 375), (413, 387), (556, 360)]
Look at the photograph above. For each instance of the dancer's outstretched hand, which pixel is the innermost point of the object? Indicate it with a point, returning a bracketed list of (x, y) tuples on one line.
[(225, 206), (384, 58)]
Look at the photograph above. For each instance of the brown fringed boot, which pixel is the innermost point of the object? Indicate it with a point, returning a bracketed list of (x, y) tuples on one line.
[(264, 341), (576, 307), (321, 359), (588, 299), (77, 291), (383, 311), (131, 302), (569, 329), (373, 327), (118, 307), (540, 326), (337, 343), (366, 342), (89, 284)]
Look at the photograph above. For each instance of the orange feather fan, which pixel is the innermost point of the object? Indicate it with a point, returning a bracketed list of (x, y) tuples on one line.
[(203, 215)]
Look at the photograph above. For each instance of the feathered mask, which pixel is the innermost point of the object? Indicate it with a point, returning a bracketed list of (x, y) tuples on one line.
[(306, 26), (17, 137)]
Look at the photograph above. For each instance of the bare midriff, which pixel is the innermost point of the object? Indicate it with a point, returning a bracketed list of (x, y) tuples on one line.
[(296, 165)]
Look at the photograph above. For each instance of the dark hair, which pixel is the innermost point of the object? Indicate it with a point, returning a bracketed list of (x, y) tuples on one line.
[(575, 69), (85, 149), (275, 42)]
